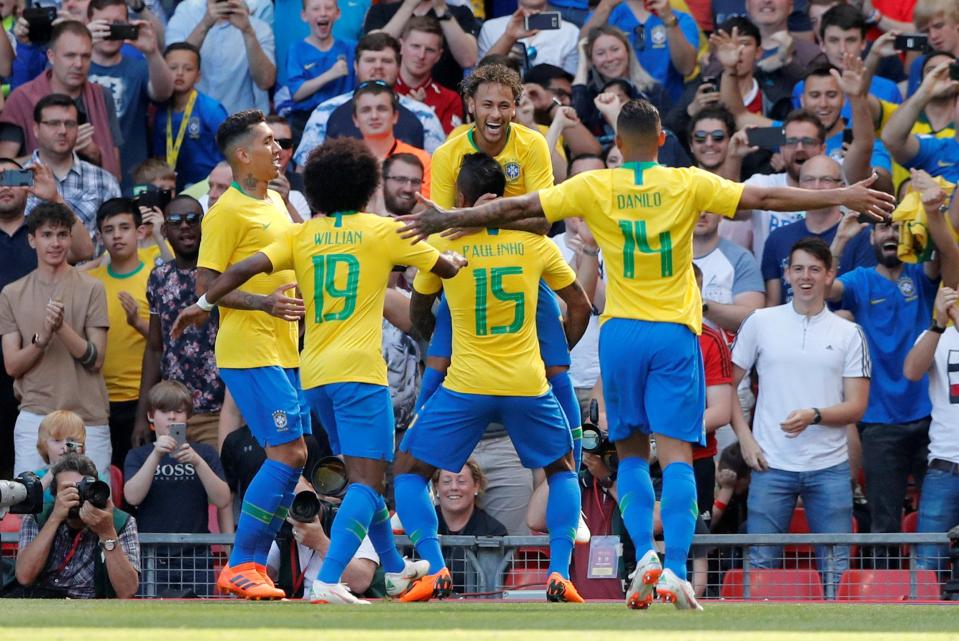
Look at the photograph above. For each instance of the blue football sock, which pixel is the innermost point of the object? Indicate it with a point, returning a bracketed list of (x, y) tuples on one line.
[(381, 534), (678, 508), (419, 518), (566, 395), (349, 529), (562, 517), (432, 379), (263, 546), (636, 501), (260, 503)]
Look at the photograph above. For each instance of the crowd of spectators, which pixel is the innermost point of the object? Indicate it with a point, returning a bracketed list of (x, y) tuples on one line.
[(113, 108)]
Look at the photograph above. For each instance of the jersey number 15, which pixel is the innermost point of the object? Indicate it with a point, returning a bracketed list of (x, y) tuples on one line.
[(492, 280)]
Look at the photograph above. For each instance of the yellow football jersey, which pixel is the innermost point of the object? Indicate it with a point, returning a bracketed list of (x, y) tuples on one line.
[(342, 264), (920, 128), (123, 361), (237, 227), (525, 161), (493, 309), (643, 215)]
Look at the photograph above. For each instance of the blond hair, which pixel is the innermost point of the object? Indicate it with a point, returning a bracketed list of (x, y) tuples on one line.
[(59, 425), (638, 77), (475, 471), (926, 10), (170, 396)]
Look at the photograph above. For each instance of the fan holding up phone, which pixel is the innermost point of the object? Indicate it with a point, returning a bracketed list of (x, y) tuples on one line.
[(546, 36)]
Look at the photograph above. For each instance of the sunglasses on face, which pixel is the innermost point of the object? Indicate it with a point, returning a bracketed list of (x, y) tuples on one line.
[(189, 219), (284, 143), (718, 135)]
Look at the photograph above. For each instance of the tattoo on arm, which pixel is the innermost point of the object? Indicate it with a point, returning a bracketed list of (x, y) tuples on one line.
[(499, 212), (421, 315), (243, 300)]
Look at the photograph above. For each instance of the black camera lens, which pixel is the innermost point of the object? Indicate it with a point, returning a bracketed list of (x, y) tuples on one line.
[(592, 439), (93, 490), (305, 507), (329, 477)]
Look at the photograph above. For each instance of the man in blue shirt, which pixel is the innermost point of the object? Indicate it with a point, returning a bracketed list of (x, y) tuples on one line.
[(819, 172), (938, 156), (665, 41), (843, 29), (892, 302), (132, 81)]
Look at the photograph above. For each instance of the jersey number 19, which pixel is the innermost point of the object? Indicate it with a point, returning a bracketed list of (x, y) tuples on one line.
[(324, 286)]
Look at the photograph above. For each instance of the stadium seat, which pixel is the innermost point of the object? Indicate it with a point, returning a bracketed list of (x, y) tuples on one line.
[(528, 568), (10, 523), (116, 485), (774, 585), (803, 556), (886, 585), (910, 524)]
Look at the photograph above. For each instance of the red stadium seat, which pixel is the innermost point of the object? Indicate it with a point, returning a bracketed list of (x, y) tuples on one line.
[(10, 523), (803, 556), (774, 585), (910, 523), (886, 585), (116, 486), (528, 568)]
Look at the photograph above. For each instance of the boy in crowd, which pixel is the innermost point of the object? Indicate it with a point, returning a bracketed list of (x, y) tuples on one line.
[(185, 128), (124, 278), (320, 66), (153, 174), (172, 482)]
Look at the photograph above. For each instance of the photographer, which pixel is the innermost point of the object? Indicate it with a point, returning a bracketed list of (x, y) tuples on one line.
[(294, 567), (74, 549)]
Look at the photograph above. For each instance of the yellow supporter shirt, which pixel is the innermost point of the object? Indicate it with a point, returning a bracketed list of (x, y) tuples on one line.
[(643, 215), (920, 128), (342, 264), (150, 254), (493, 308), (525, 161), (237, 227), (124, 356)]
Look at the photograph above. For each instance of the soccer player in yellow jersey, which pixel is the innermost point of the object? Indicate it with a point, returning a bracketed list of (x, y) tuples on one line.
[(342, 259), (643, 215), (256, 352), (492, 93), (125, 279), (497, 374)]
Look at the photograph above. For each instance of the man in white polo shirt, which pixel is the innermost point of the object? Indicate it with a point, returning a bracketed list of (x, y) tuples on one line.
[(814, 374)]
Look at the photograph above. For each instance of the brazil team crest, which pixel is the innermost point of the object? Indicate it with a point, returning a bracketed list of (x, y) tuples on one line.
[(511, 169), (279, 419)]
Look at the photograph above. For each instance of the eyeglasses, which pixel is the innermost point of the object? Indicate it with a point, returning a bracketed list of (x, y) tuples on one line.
[(374, 83), (812, 180), (640, 33), (805, 141), (189, 219), (403, 180), (56, 124), (284, 143), (718, 135)]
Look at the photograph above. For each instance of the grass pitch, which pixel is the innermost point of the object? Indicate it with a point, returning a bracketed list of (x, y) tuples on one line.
[(293, 621)]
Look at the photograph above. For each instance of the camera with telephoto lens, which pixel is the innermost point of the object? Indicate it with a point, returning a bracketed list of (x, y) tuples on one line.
[(22, 495), (93, 490), (595, 441), (307, 506)]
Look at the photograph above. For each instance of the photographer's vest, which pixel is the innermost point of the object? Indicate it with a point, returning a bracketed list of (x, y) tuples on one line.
[(101, 581)]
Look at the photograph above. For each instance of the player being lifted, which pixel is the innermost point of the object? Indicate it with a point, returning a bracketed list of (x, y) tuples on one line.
[(496, 374), (342, 259), (492, 93), (642, 215)]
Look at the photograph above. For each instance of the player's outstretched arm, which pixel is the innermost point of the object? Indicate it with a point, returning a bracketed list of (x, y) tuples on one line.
[(421, 314), (449, 264), (578, 310), (498, 213), (857, 197)]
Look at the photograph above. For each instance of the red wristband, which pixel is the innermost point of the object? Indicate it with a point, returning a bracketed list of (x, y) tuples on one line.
[(719, 504)]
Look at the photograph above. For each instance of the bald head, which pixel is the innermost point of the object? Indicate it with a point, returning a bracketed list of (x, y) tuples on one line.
[(820, 172)]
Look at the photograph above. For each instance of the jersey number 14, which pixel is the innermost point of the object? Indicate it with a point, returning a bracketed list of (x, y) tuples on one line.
[(635, 239)]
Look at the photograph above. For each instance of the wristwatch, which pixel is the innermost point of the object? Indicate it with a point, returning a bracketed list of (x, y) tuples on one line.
[(108, 545), (817, 416), (935, 328), (446, 16), (670, 21)]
